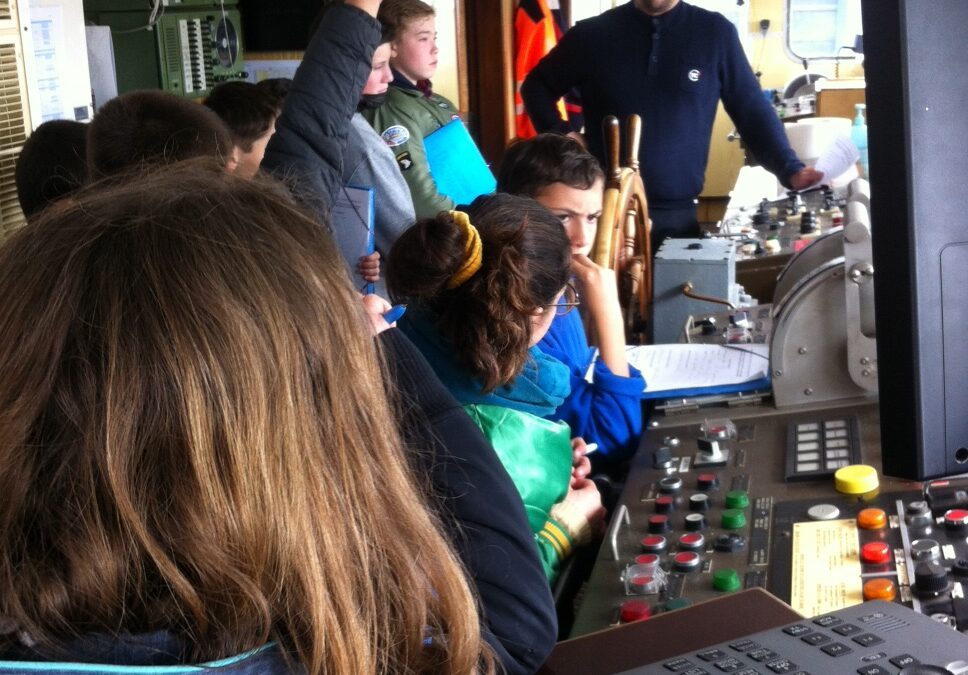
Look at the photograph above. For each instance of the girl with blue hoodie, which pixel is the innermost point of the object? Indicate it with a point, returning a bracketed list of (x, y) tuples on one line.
[(483, 288)]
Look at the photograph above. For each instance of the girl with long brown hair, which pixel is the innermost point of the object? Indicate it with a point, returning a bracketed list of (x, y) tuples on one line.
[(483, 287), (197, 456)]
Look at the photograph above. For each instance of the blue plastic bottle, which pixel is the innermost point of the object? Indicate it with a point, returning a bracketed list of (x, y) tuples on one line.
[(858, 134)]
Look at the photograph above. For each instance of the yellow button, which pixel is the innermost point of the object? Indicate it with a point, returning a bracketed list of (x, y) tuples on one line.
[(856, 479), (879, 589), (872, 519)]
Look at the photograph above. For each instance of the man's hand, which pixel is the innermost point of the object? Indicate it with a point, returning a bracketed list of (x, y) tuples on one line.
[(369, 267), (805, 177)]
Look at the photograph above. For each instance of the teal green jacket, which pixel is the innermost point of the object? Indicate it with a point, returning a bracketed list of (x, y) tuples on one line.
[(536, 452), (407, 117), (537, 455)]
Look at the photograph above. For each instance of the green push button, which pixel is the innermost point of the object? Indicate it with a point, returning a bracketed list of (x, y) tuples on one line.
[(737, 499), (726, 580), (678, 603), (733, 519)]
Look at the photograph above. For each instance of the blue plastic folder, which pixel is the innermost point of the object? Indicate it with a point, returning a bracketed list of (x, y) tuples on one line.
[(458, 168), (352, 222)]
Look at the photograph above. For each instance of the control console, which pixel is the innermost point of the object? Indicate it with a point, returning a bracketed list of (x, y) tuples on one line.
[(789, 502)]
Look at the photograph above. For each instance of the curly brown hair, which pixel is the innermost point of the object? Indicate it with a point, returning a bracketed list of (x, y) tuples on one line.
[(487, 320)]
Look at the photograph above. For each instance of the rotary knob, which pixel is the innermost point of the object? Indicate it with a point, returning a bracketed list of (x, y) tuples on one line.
[(695, 522), (930, 578), (699, 502), (670, 484), (925, 550), (729, 543), (918, 514)]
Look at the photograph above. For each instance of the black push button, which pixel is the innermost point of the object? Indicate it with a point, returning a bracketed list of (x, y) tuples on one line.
[(904, 660), (696, 671), (796, 629), (677, 665), (762, 654), (712, 655), (816, 639), (848, 629), (782, 666), (836, 649), (867, 640), (744, 645), (828, 621), (872, 669), (729, 665)]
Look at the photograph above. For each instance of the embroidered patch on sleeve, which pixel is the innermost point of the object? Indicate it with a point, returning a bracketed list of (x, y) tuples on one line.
[(395, 135), (403, 159)]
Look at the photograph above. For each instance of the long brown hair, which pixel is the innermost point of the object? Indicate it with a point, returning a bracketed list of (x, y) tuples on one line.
[(487, 319), (194, 436)]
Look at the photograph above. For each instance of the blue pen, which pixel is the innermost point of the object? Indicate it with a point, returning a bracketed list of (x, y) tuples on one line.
[(394, 313)]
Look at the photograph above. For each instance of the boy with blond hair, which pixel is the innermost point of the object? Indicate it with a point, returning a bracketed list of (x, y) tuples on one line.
[(412, 110)]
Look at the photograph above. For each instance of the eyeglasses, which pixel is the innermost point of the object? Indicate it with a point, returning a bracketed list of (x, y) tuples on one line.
[(568, 301)]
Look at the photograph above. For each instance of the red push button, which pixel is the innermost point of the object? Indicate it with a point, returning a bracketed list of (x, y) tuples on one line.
[(694, 541), (647, 559), (635, 610), (876, 553), (665, 504), (654, 544), (659, 524), (686, 562), (956, 520)]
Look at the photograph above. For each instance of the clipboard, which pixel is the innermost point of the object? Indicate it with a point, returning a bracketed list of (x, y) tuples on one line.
[(457, 165), (352, 226)]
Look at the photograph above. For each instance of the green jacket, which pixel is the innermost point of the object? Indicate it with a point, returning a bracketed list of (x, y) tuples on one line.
[(537, 455), (403, 121)]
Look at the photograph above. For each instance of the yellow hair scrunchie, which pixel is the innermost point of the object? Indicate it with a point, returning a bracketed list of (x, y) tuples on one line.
[(473, 250)]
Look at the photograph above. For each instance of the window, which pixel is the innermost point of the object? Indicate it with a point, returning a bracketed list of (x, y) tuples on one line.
[(822, 29)]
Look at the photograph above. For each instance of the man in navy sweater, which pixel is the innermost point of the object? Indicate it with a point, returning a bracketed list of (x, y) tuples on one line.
[(671, 63)]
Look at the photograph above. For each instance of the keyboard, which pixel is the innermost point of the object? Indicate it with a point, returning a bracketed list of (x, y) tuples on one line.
[(873, 638)]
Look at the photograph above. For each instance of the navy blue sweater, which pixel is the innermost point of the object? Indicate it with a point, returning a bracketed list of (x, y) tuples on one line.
[(672, 70)]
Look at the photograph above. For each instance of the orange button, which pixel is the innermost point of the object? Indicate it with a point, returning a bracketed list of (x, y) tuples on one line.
[(880, 589), (875, 553), (871, 519)]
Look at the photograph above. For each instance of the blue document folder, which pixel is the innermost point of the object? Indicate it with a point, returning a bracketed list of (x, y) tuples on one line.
[(352, 221), (456, 164)]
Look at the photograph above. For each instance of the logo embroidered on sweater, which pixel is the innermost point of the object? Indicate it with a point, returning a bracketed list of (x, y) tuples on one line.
[(694, 75), (395, 135), (403, 159)]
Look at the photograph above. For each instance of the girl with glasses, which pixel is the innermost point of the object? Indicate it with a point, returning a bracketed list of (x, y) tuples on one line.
[(483, 288)]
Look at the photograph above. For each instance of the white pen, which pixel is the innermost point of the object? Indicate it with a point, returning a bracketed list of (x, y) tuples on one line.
[(590, 448)]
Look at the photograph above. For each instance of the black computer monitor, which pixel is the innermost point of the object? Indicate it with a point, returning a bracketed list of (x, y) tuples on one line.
[(917, 107)]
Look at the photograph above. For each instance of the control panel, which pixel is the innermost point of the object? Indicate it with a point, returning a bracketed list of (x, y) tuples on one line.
[(790, 502), (876, 638)]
